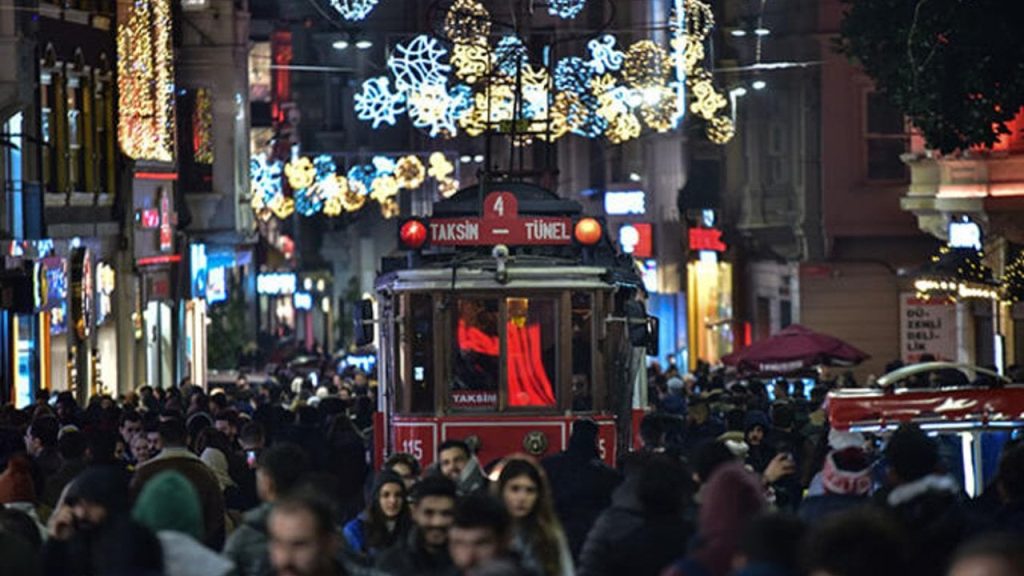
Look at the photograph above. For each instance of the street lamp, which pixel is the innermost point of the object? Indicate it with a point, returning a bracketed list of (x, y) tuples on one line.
[(758, 84), (340, 44), (364, 44), (734, 95)]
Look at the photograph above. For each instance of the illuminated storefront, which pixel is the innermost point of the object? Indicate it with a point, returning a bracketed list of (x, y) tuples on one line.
[(709, 297)]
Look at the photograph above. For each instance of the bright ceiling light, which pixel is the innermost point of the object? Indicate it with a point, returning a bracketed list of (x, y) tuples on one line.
[(340, 44), (758, 84), (364, 44), (738, 32)]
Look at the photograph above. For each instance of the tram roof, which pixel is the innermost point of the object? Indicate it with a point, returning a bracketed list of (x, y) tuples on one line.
[(533, 199)]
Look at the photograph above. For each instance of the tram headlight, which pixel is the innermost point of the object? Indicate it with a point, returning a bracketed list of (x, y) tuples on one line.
[(588, 231), (413, 234)]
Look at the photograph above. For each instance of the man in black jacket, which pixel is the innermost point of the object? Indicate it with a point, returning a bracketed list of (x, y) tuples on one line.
[(581, 483)]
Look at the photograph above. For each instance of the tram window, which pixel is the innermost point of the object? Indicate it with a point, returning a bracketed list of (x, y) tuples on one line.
[(476, 352), (582, 351), (531, 351), (421, 353)]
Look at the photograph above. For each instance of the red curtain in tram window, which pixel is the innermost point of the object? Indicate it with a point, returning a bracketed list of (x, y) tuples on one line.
[(476, 340), (528, 382)]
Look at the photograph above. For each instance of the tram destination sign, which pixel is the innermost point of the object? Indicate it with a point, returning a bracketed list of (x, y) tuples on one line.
[(500, 224)]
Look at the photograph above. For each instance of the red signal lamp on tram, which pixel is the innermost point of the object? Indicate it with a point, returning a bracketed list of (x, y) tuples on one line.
[(588, 231), (413, 234)]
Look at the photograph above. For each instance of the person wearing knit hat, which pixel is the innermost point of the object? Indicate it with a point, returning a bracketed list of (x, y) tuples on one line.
[(846, 480), (169, 506)]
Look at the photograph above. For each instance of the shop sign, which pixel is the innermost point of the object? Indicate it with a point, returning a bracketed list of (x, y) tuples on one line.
[(927, 326), (166, 223), (501, 224), (303, 301), (474, 398), (198, 268), (216, 285), (364, 362), (623, 203), (636, 239), (49, 283), (105, 283), (81, 292), (276, 283), (706, 239), (964, 234)]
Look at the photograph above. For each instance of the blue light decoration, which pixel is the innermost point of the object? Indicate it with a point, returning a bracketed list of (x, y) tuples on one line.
[(354, 9), (573, 75), (603, 55), (383, 165), (376, 102), (429, 108), (265, 178), (510, 54), (325, 167), (364, 175), (419, 63), (677, 45), (565, 8), (461, 96), (592, 124), (308, 201)]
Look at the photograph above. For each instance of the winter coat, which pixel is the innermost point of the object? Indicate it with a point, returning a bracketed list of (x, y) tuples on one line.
[(582, 487), (202, 479), (410, 558), (472, 480), (626, 539), (814, 509), (247, 546), (529, 561), (930, 512), (184, 556)]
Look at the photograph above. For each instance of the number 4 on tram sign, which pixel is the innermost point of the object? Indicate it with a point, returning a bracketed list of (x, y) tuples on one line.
[(501, 224)]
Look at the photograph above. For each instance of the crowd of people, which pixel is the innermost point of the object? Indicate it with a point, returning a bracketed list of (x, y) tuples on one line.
[(740, 479)]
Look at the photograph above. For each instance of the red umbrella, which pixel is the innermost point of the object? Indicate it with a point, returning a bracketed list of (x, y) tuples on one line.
[(794, 349)]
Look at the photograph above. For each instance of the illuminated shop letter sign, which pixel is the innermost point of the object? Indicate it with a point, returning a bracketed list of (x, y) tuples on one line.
[(276, 284), (965, 234), (706, 239), (625, 202)]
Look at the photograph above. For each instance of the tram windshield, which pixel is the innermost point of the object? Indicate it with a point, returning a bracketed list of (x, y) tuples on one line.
[(531, 336)]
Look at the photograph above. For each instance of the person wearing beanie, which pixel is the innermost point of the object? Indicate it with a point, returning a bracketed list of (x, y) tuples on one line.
[(169, 506), (846, 481), (924, 500), (383, 523), (581, 483)]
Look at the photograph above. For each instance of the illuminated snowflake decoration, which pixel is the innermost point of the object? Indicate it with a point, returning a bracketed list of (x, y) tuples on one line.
[(720, 129), (460, 100), (360, 178), (647, 65), (419, 63), (440, 167), (354, 9), (510, 55), (383, 188), (573, 74), (624, 127), (264, 179), (385, 166), (430, 108), (308, 201), (301, 173), (467, 22), (470, 61), (604, 57), (325, 167), (565, 8), (409, 173), (376, 102)]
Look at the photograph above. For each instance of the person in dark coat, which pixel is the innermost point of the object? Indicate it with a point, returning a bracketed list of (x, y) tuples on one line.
[(755, 429), (925, 501), (644, 530), (581, 484), (424, 550)]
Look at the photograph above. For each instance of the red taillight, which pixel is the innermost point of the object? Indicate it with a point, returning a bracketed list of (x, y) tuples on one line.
[(588, 231), (413, 234)]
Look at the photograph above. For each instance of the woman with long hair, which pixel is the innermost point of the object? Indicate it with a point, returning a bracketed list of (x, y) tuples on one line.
[(385, 520), (538, 535)]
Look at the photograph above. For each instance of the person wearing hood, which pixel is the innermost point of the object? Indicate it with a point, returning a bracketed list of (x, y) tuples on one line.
[(383, 523), (925, 501), (94, 501), (581, 484), (644, 530), (456, 461), (755, 428), (169, 506)]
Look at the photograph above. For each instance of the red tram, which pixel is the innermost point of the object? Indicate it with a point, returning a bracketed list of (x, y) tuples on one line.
[(509, 315)]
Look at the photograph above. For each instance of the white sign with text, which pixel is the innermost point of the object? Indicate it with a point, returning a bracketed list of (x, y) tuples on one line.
[(927, 326)]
